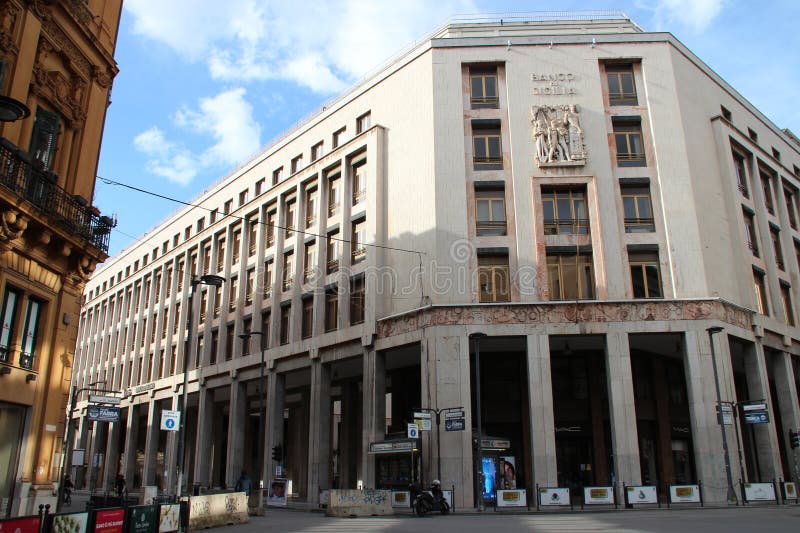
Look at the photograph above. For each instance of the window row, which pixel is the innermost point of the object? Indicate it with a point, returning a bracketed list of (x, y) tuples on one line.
[(19, 318)]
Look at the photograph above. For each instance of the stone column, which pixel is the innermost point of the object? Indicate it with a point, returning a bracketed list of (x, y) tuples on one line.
[(374, 410), (131, 438), (769, 457), (276, 394), (319, 430), (98, 446), (112, 467), (789, 406), (622, 411), (349, 436), (701, 392), (540, 396), (171, 455), (205, 426), (237, 420), (151, 445)]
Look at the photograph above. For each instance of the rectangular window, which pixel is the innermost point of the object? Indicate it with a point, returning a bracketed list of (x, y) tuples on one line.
[(243, 197), (487, 151), (490, 211), (776, 246), (260, 186), (214, 346), (310, 261), (227, 207), (645, 275), (311, 207), (167, 286), (288, 270), (181, 272), (570, 276), (483, 88), (637, 208), (331, 309), (316, 151), (338, 137), (307, 326), (493, 278), (628, 140), (220, 254), (277, 175), (233, 293), (334, 194), (229, 336), (363, 123), (247, 327), (332, 252), (740, 167), (217, 301), (357, 239), (10, 300), (206, 259), (565, 211), (198, 351), (786, 300), (297, 163), (236, 246), (750, 232), (269, 267), (766, 184), (252, 237), (44, 139), (251, 286), (789, 195), (270, 229), (621, 85), (760, 286), (776, 154), (176, 324), (359, 173), (192, 267), (290, 216), (266, 318), (30, 333), (212, 217), (286, 312), (357, 293)]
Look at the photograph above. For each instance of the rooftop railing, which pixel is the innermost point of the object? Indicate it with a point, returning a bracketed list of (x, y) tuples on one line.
[(29, 181)]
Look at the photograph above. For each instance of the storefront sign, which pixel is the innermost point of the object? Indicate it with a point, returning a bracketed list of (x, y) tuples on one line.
[(142, 519), (641, 494), (495, 444), (598, 495), (169, 518), (756, 417), (70, 523), (21, 525), (392, 446), (554, 497), (512, 498), (144, 388), (102, 398), (401, 498), (454, 424), (454, 414), (109, 521), (759, 492), (419, 415), (98, 413), (754, 407), (684, 493)]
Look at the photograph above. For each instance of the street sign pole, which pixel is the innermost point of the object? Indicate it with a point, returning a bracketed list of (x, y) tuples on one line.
[(438, 413)]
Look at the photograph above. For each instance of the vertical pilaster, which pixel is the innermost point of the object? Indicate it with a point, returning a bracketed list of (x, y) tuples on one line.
[(237, 418), (131, 438), (151, 444), (374, 410), (112, 467), (276, 395), (171, 455), (788, 404), (622, 410), (319, 430), (769, 458), (205, 425), (540, 396)]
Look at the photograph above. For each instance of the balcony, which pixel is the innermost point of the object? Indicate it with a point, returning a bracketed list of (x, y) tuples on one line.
[(639, 225), (333, 266), (568, 226), (359, 254), (287, 283), (26, 360), (39, 187), (491, 227)]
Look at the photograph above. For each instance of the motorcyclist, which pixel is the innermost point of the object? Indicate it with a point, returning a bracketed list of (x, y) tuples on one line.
[(436, 490)]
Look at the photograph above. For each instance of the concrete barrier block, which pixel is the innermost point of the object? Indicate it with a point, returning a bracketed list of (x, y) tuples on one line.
[(367, 502)]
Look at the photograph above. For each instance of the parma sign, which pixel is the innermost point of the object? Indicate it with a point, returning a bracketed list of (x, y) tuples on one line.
[(98, 413)]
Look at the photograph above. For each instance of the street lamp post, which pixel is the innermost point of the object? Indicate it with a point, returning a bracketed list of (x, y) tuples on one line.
[(67, 446), (476, 338), (214, 281), (246, 336), (731, 492)]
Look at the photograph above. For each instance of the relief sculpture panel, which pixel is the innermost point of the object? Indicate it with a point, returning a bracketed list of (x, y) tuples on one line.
[(557, 135)]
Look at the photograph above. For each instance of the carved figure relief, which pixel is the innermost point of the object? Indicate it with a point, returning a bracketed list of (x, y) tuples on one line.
[(557, 135)]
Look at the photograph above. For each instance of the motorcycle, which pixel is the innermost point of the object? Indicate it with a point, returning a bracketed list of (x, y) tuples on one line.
[(426, 502)]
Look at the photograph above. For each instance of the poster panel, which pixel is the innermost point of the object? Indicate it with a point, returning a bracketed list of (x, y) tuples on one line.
[(512, 498), (277, 493), (169, 519), (109, 521), (598, 495), (684, 493), (142, 519), (70, 523), (508, 475), (641, 494), (759, 492), (21, 525), (489, 469), (554, 497), (401, 498), (790, 490)]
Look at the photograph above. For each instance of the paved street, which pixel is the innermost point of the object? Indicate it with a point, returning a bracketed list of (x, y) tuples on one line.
[(760, 519)]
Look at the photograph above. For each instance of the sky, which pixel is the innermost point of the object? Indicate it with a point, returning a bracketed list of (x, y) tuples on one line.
[(205, 85)]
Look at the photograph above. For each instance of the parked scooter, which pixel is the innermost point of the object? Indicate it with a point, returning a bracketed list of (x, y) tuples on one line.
[(425, 502)]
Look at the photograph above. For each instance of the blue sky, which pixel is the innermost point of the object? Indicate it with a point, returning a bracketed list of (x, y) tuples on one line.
[(204, 85)]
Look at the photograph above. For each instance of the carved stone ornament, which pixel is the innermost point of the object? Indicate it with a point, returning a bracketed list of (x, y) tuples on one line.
[(12, 224), (558, 136)]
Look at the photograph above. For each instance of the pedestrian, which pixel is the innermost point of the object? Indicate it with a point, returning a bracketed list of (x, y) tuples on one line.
[(244, 484), (119, 485)]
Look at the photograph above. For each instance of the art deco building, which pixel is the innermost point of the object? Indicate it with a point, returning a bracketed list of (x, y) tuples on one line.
[(56, 68), (588, 196)]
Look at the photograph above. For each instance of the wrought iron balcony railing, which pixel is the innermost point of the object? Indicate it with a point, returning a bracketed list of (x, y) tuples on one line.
[(27, 179)]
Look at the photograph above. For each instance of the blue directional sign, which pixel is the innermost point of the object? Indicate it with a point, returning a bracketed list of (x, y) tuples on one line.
[(170, 420)]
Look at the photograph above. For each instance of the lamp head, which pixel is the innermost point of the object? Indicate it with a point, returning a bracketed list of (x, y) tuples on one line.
[(714, 329)]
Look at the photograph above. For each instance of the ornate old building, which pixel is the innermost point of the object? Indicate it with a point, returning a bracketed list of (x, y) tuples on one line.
[(574, 228), (56, 69)]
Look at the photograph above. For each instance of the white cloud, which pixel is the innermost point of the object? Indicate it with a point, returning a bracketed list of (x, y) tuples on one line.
[(322, 45), (226, 117), (695, 15)]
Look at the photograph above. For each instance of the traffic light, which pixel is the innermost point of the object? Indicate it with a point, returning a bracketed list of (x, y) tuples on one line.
[(794, 438), (277, 453)]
